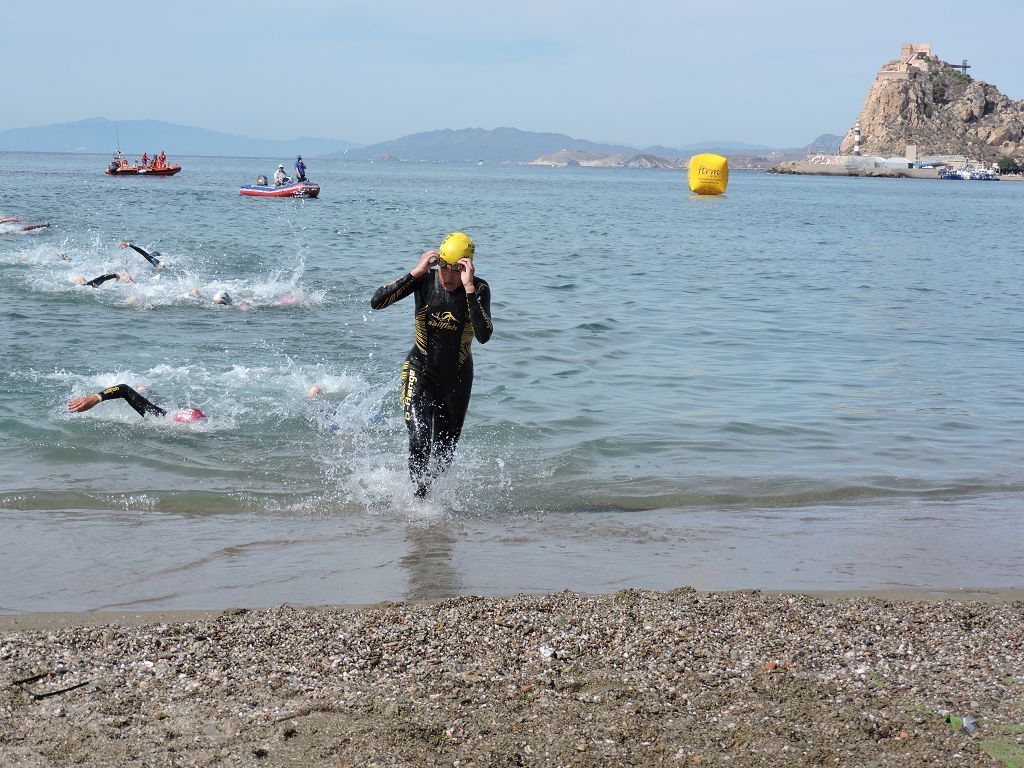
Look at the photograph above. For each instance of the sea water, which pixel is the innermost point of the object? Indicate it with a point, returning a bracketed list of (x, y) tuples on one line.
[(805, 383)]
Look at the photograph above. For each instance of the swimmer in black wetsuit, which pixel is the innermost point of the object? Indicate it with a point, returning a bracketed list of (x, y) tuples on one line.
[(141, 405), (452, 307), (27, 227), (150, 257), (98, 281)]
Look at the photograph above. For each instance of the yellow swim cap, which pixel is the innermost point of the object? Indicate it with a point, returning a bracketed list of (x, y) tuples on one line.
[(458, 245)]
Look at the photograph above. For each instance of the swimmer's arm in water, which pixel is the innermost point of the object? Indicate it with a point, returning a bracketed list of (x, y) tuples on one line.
[(150, 257), (9, 219), (480, 311), (103, 279), (141, 405), (397, 290)]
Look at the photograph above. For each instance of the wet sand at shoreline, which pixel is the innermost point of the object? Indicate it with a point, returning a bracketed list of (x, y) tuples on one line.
[(908, 678)]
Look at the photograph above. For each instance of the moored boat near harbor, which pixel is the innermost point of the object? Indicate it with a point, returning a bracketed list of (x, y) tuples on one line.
[(969, 174)]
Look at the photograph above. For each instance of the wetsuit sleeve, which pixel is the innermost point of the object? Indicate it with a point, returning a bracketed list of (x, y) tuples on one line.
[(388, 294), (141, 405), (480, 311), (150, 257), (101, 280)]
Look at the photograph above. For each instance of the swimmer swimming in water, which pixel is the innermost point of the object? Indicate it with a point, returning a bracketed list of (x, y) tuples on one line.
[(150, 257), (141, 405), (223, 299), (123, 277), (27, 227)]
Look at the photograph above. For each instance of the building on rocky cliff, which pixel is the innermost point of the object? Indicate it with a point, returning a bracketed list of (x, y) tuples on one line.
[(912, 56), (921, 100)]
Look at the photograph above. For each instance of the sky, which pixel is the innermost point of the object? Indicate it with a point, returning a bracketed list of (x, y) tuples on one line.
[(639, 73)]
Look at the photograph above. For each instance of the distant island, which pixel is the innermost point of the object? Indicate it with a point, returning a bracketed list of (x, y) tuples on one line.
[(511, 145), (466, 145)]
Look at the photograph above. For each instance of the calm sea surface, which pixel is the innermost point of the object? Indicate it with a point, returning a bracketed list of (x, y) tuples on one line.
[(808, 382)]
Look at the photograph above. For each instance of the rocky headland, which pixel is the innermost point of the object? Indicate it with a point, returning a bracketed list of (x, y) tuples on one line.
[(921, 100)]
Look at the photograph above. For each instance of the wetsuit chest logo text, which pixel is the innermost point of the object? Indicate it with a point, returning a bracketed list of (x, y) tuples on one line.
[(445, 321)]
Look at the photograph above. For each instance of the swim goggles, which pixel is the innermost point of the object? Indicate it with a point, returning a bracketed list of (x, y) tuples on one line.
[(458, 266)]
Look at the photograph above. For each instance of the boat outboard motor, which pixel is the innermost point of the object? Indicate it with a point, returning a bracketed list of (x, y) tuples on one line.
[(114, 167)]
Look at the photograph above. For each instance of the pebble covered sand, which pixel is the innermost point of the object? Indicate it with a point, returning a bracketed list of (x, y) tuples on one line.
[(634, 678)]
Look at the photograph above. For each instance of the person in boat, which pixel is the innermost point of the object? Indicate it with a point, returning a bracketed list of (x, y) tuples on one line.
[(162, 159), (145, 160), (141, 405), (300, 169), (261, 181), (123, 277), (150, 257), (453, 306), (280, 177)]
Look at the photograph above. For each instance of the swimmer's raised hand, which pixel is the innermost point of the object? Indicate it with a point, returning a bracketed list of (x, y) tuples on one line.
[(80, 404), (467, 275), (427, 260)]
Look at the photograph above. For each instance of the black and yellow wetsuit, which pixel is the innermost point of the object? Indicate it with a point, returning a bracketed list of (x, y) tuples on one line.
[(437, 377), (141, 405)]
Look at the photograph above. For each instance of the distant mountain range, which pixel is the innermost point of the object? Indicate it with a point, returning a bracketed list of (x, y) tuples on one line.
[(99, 135), (516, 146)]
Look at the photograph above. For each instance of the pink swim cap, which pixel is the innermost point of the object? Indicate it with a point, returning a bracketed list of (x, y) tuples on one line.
[(188, 415)]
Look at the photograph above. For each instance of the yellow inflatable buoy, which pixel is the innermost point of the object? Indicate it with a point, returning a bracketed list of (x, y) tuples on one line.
[(709, 174)]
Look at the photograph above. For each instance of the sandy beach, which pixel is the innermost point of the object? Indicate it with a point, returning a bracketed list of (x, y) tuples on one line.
[(631, 678)]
